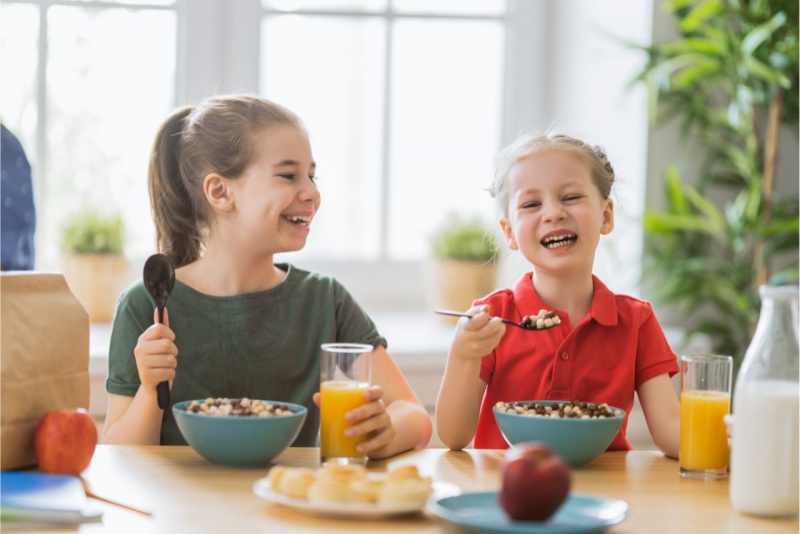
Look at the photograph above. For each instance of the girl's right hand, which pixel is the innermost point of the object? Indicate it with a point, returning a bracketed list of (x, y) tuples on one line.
[(156, 354), (477, 336)]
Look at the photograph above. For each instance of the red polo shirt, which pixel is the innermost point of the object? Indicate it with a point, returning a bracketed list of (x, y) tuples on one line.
[(615, 348)]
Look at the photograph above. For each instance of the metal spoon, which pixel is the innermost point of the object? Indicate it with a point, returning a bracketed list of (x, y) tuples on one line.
[(523, 324), (159, 279)]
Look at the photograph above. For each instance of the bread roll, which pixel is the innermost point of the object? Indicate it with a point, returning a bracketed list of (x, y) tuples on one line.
[(294, 482), (407, 492)]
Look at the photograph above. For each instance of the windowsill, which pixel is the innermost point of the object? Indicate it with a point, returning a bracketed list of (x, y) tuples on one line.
[(418, 341)]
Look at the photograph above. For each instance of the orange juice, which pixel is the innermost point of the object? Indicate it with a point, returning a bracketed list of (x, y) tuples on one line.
[(336, 399), (704, 436)]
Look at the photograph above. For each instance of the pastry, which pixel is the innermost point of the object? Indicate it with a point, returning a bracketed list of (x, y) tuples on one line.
[(332, 491), (293, 482), (407, 492), (403, 473)]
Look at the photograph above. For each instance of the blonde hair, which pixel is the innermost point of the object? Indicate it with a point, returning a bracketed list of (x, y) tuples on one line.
[(531, 144), (215, 136)]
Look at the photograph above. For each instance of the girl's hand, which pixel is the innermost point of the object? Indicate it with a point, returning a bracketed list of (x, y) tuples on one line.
[(370, 419), (156, 354), (477, 336)]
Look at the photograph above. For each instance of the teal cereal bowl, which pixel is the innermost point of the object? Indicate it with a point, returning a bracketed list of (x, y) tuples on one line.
[(239, 441), (577, 441)]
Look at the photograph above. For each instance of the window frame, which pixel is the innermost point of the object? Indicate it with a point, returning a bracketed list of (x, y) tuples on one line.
[(40, 154)]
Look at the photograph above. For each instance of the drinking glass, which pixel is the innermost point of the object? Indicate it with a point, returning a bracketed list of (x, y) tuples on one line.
[(346, 373), (705, 401)]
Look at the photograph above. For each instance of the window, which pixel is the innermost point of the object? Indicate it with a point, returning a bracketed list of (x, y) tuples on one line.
[(406, 102), (85, 86)]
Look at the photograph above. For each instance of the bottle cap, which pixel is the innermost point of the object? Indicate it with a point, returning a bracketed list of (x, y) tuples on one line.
[(785, 292)]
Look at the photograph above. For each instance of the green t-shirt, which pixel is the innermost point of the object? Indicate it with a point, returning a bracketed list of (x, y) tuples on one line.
[(261, 345)]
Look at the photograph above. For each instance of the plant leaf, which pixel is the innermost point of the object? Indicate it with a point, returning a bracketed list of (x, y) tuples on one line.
[(692, 44), (699, 14), (761, 33), (708, 208), (791, 226), (670, 6), (665, 70), (691, 74), (677, 201), (667, 223), (766, 73)]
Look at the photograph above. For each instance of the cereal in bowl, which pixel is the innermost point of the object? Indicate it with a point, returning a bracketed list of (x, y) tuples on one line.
[(569, 410), (243, 407)]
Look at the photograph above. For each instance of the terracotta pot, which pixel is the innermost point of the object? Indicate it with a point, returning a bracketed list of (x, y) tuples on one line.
[(97, 281), (454, 284)]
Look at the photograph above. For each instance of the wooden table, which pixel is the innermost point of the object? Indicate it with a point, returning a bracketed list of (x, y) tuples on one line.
[(187, 494)]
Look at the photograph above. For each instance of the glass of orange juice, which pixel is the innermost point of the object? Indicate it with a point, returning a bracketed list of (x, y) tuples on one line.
[(705, 401), (346, 373)]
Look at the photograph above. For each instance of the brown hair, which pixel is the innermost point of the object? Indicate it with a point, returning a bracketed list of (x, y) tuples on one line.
[(531, 144), (215, 136)]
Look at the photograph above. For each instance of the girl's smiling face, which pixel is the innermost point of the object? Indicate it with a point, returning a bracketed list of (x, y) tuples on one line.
[(555, 213), (276, 197)]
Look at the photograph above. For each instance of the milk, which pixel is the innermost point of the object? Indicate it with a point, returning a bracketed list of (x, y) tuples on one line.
[(764, 449)]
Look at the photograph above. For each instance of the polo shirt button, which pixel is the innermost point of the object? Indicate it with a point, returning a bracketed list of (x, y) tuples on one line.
[(564, 356)]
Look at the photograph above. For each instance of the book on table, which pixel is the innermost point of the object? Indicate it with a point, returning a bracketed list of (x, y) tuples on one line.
[(29, 499)]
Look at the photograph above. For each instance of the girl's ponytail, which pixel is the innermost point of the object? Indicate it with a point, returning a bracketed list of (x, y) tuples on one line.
[(178, 232)]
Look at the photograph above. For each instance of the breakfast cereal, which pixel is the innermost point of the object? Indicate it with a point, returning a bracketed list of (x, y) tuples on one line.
[(569, 410), (243, 407)]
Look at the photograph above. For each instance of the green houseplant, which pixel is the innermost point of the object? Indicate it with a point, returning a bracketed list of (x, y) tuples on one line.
[(93, 261), (463, 267), (731, 80), (89, 232), (465, 240)]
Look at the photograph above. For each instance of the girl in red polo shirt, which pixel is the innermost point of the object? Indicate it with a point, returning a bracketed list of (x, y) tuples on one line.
[(553, 195)]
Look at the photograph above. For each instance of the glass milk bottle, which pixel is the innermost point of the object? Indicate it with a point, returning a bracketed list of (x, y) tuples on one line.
[(764, 448)]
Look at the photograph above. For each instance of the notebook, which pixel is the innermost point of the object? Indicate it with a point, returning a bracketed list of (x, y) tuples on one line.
[(28, 499)]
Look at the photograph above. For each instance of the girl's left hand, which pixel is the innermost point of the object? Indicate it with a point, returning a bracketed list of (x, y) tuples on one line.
[(370, 419)]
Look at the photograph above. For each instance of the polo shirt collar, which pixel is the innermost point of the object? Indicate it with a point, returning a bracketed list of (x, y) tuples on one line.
[(603, 308), (604, 304)]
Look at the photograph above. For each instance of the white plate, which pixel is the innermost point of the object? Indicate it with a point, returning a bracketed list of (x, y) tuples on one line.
[(263, 488)]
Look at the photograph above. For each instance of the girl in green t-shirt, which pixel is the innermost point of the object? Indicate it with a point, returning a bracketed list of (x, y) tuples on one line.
[(232, 184)]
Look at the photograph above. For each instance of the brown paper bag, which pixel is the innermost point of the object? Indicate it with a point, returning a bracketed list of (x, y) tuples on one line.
[(44, 358)]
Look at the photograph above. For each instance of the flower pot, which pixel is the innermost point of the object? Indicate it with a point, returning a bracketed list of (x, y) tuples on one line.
[(97, 281), (454, 284)]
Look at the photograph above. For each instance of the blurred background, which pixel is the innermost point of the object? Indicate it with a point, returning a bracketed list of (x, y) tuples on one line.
[(406, 103)]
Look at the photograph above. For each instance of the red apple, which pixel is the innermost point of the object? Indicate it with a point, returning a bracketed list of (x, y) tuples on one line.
[(535, 481), (64, 441)]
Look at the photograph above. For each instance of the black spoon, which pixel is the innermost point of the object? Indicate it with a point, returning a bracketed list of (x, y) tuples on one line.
[(528, 323), (159, 279)]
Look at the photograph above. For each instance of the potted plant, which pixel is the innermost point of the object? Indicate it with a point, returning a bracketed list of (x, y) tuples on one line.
[(731, 78), (463, 267), (93, 261)]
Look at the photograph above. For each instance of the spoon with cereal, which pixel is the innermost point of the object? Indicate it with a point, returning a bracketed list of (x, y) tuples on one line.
[(545, 320)]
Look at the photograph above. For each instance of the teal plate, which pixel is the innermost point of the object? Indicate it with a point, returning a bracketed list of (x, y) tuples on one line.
[(481, 512)]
